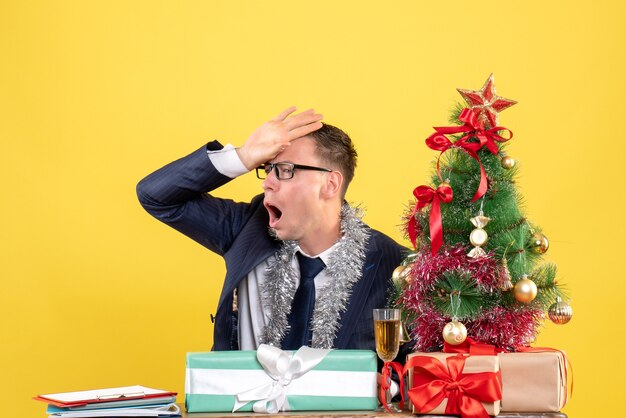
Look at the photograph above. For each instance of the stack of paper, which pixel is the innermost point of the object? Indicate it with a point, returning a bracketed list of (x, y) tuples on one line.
[(127, 401)]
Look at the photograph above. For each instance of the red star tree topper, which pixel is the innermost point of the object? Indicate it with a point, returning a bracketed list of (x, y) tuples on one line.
[(486, 103)]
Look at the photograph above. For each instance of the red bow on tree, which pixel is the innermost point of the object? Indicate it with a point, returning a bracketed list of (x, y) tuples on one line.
[(426, 195), (433, 382), (473, 128)]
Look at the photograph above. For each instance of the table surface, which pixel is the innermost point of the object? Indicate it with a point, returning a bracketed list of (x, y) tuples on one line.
[(357, 414)]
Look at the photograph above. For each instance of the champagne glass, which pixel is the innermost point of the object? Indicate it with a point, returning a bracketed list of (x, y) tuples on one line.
[(387, 336)]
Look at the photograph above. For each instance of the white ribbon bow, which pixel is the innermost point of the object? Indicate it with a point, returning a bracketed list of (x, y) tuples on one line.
[(272, 397)]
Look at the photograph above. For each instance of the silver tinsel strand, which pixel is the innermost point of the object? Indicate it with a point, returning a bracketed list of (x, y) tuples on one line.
[(345, 267)]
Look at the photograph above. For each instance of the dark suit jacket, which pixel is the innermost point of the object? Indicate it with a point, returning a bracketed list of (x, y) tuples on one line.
[(177, 195)]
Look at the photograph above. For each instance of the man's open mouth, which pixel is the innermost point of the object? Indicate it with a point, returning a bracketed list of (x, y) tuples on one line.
[(275, 214)]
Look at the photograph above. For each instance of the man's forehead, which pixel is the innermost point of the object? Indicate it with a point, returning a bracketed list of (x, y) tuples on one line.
[(301, 150)]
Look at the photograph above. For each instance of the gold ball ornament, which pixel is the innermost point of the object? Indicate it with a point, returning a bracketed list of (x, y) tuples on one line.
[(525, 290), (454, 333), (539, 243), (401, 273), (507, 162), (560, 312)]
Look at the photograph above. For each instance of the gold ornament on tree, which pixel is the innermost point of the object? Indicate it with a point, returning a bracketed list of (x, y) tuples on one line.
[(560, 312), (403, 271), (539, 243), (400, 274), (478, 237), (525, 290), (506, 284), (507, 162), (454, 332), (405, 337)]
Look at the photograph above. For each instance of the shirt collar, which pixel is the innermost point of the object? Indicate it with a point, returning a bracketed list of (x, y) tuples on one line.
[(324, 255)]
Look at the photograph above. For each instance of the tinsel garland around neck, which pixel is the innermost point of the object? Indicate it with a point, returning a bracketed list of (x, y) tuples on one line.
[(345, 268)]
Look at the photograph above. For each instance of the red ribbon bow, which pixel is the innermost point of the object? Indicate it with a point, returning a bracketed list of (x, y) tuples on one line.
[(426, 195), (386, 383), (472, 127), (433, 382)]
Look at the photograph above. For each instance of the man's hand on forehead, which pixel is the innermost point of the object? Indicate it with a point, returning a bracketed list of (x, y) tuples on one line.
[(271, 138)]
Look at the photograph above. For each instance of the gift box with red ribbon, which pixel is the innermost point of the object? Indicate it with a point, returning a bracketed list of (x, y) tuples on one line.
[(533, 378), (454, 384)]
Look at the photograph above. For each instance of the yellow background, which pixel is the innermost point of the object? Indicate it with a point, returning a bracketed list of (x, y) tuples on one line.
[(97, 94)]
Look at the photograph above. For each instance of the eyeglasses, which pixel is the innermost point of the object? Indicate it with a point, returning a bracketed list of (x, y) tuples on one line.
[(284, 171)]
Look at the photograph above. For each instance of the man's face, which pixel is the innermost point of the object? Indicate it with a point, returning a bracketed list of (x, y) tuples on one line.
[(294, 205)]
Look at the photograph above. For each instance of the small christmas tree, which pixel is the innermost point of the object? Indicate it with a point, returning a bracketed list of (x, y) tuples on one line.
[(476, 267)]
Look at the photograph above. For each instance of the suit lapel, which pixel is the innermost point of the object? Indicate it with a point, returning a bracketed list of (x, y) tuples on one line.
[(360, 293), (252, 246)]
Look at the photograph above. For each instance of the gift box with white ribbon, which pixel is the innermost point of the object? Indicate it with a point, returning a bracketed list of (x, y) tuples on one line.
[(271, 380)]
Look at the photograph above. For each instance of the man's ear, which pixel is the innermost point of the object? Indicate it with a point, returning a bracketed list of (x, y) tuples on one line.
[(332, 187)]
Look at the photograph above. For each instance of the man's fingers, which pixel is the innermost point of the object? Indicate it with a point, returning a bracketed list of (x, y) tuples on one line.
[(301, 119), (283, 115), (289, 126), (304, 130)]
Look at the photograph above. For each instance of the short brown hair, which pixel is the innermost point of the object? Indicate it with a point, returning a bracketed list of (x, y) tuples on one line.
[(335, 147)]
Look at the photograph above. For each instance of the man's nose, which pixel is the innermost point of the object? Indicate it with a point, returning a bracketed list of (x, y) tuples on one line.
[(270, 182)]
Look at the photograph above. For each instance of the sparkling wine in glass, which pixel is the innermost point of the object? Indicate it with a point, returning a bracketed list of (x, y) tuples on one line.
[(387, 336)]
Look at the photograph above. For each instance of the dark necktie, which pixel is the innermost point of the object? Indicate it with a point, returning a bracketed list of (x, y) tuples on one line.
[(303, 302)]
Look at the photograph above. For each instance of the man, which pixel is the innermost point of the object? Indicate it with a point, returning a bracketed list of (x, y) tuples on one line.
[(305, 269)]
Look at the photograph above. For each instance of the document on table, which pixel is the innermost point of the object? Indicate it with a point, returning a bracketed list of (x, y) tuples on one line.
[(86, 397), (138, 411)]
